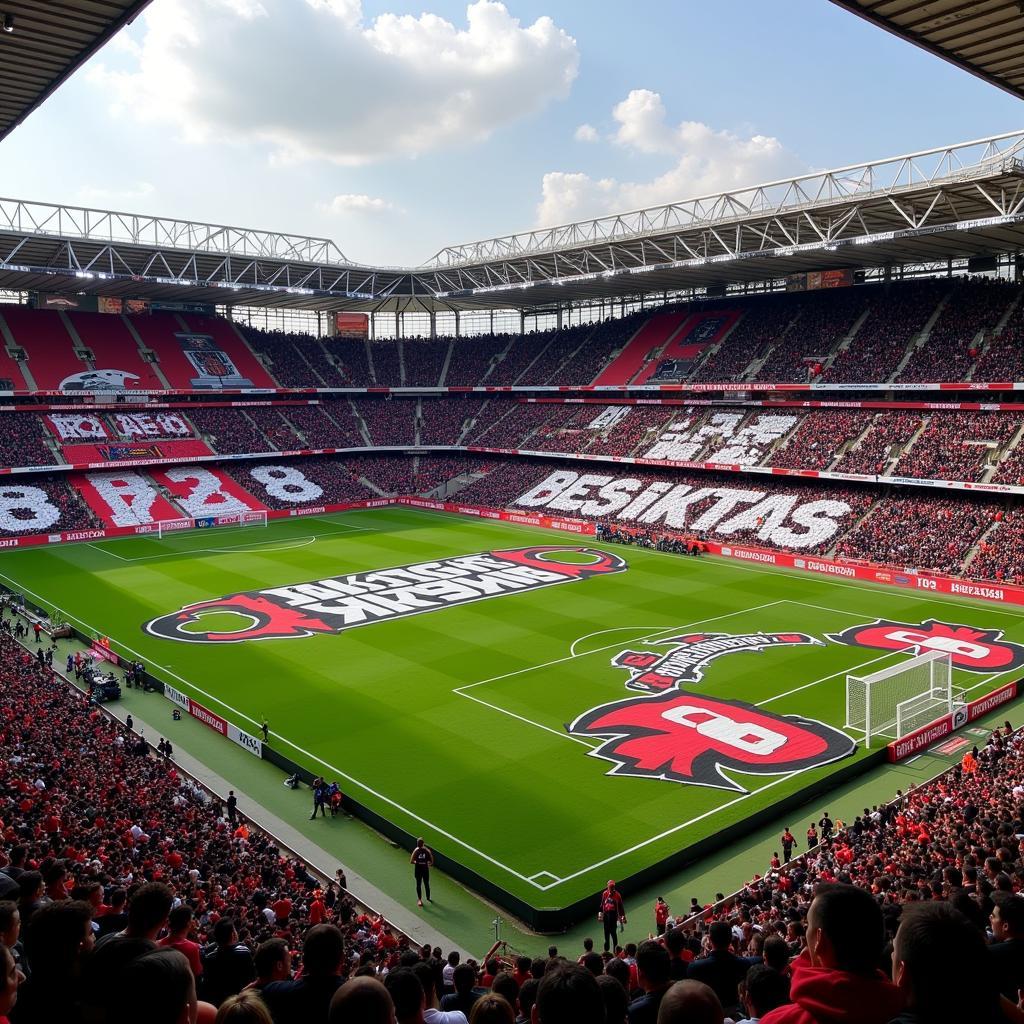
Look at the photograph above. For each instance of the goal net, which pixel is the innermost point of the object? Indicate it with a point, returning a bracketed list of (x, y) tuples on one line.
[(897, 700), (253, 517)]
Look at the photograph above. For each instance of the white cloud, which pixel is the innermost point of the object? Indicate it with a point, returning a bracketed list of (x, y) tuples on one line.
[(705, 160), (357, 202), (312, 79), (586, 133)]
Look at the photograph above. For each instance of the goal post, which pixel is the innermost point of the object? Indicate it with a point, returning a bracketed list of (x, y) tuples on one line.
[(901, 698), (250, 517)]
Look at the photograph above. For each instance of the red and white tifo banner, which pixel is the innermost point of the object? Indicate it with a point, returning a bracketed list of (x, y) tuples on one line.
[(214, 721), (915, 742)]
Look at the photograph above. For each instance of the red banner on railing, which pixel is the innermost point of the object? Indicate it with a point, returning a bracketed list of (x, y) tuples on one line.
[(921, 739)]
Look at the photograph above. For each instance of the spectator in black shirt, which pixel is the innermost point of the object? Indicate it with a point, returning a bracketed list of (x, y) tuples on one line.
[(1007, 951), (308, 998), (228, 967), (721, 969), (653, 969)]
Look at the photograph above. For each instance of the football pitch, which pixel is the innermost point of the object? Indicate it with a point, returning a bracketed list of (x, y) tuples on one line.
[(547, 719)]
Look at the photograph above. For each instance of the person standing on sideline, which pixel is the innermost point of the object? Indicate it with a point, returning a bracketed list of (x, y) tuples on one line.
[(319, 798), (812, 837), (788, 841), (422, 859), (232, 802), (611, 912), (660, 915), (265, 729)]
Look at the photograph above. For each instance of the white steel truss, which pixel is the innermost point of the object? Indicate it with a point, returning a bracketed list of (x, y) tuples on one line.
[(926, 207)]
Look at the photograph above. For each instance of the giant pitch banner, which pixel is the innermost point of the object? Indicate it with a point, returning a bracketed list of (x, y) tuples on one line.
[(338, 603)]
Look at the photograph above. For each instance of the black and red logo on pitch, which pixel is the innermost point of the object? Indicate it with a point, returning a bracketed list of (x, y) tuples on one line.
[(970, 648), (339, 603), (681, 736)]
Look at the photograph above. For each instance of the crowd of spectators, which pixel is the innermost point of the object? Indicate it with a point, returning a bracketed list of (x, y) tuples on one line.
[(957, 445), (332, 424), (897, 315), (230, 431), (764, 322), (23, 441), (273, 425), (474, 360), (823, 320), (424, 359), (286, 485), (443, 420), (890, 432), (816, 443), (952, 347), (285, 355), (1003, 356), (920, 531), (389, 420)]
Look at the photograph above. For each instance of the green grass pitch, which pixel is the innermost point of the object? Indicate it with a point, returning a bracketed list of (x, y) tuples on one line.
[(452, 723)]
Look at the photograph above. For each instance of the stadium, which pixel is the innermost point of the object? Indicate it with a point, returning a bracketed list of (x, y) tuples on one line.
[(379, 642)]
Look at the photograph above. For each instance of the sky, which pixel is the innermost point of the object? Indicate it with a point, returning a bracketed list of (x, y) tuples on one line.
[(396, 127)]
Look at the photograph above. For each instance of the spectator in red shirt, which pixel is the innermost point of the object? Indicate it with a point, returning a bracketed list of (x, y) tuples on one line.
[(179, 921), (836, 980), (660, 915)]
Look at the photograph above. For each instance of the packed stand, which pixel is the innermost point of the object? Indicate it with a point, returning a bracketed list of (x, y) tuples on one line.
[(1011, 469), (442, 420), (640, 425), (389, 474), (110, 844), (275, 428), (763, 325), (919, 532), (1000, 551), (39, 504), (389, 420), (328, 425), (23, 441), (890, 432), (424, 360), (898, 314), (823, 320), (1003, 355), (953, 345), (473, 359), (817, 441), (957, 446), (508, 423), (230, 431), (386, 357), (284, 353)]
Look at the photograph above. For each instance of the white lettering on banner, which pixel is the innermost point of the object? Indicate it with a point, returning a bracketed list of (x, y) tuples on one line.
[(780, 519), (26, 509), (130, 497), (609, 417), (215, 722), (831, 568), (76, 427), (84, 535), (202, 494), (144, 425), (243, 739), (975, 590), (176, 697), (751, 443), (286, 483)]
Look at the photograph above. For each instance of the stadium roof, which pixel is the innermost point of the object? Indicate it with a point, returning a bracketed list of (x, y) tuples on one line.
[(945, 203), (984, 37), (47, 43)]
